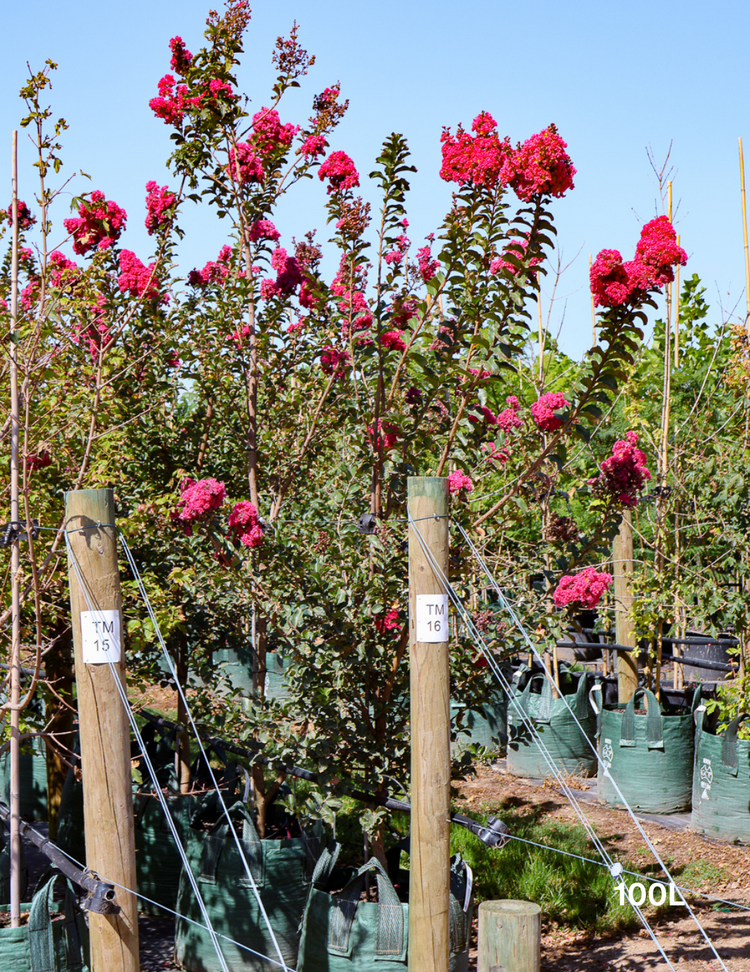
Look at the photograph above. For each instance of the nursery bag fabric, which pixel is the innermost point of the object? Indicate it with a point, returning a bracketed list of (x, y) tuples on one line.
[(44, 945), (721, 782), (33, 773), (486, 722), (649, 755), (280, 871), (569, 745), (340, 933)]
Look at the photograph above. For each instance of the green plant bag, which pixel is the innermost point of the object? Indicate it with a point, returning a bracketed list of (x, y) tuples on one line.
[(721, 782), (340, 933), (486, 722), (33, 771), (568, 746), (650, 756), (276, 668), (280, 871), (44, 945)]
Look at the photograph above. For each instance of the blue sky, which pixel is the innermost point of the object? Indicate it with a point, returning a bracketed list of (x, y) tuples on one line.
[(615, 78)]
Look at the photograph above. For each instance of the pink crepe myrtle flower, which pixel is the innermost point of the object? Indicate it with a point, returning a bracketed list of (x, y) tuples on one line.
[(288, 275), (494, 454), (393, 341), (172, 101), (181, 56), (263, 229), (387, 433), (479, 158), (99, 224), (388, 622), (244, 525), (458, 481), (313, 146), (62, 271), (339, 169), (509, 418), (543, 411), (615, 283), (487, 415), (215, 271), (516, 249), (38, 460), (334, 361), (137, 279), (269, 135), (245, 166), (160, 203), (198, 500), (658, 252), (428, 267), (541, 166), (624, 474), (583, 590), (25, 218)]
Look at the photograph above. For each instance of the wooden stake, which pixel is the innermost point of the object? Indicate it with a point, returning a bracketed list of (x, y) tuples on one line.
[(541, 335), (429, 876), (104, 727), (509, 936), (622, 556), (677, 313), (593, 308), (15, 564), (744, 230)]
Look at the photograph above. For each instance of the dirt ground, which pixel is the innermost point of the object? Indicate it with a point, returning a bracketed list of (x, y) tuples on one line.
[(564, 950)]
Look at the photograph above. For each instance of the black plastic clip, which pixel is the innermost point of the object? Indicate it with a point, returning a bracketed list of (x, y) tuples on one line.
[(101, 900), (17, 531), (367, 523)]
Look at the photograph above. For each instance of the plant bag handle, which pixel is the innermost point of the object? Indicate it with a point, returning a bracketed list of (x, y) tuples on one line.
[(325, 865), (217, 839), (581, 704), (545, 700), (41, 937), (391, 943), (729, 744), (654, 736)]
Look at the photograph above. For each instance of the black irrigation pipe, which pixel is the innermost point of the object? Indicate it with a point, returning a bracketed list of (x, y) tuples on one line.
[(683, 659), (101, 895), (494, 834)]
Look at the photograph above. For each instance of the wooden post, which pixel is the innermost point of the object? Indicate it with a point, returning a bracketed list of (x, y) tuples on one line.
[(622, 557), (510, 936), (104, 727), (429, 876)]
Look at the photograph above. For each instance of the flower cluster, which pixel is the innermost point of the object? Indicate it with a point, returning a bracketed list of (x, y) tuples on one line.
[(615, 283), (244, 525), (541, 166), (99, 224), (160, 204), (25, 218), (313, 145), (339, 169), (388, 622), (62, 271), (582, 590), (458, 481), (387, 433), (334, 361), (288, 275), (393, 341), (513, 259), (428, 267), (624, 474), (137, 279), (215, 271), (494, 454), (245, 166), (348, 285), (38, 460), (199, 499), (509, 418), (561, 529), (181, 56), (543, 411), (269, 135), (263, 229), (478, 158), (174, 100)]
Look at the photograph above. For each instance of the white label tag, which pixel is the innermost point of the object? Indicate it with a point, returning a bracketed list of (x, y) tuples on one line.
[(100, 637), (432, 617)]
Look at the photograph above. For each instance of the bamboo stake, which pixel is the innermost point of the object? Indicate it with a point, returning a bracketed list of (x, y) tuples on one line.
[(429, 875), (15, 557), (677, 313), (744, 229), (593, 308)]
